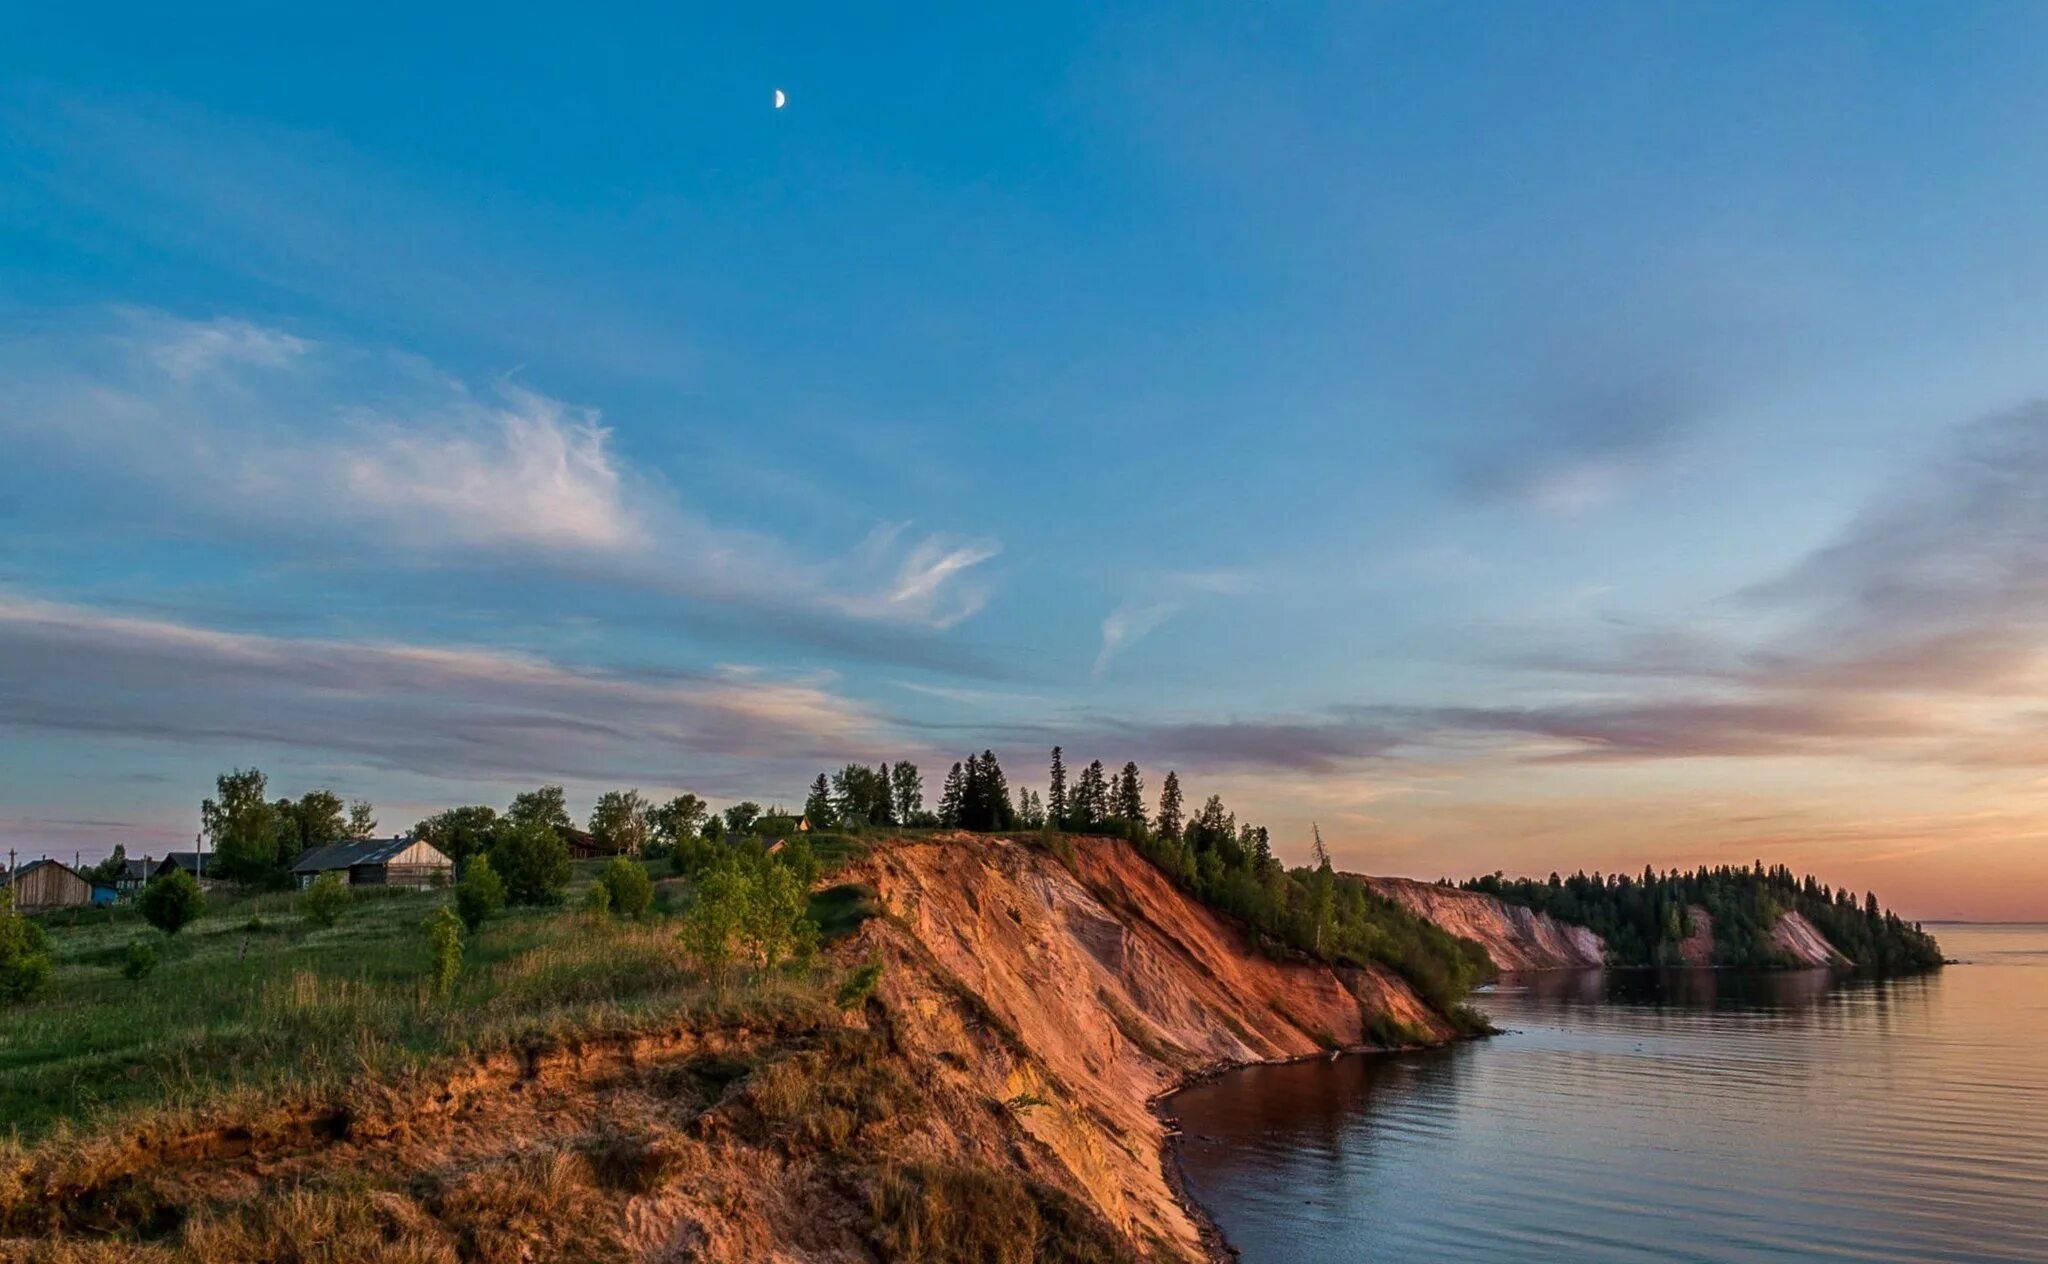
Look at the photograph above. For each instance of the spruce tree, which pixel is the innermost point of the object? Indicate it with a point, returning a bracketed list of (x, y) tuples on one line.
[(1130, 795), (1056, 796), (818, 807), (1170, 807), (950, 798)]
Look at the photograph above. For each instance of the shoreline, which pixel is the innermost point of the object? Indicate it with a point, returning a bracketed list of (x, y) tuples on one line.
[(1215, 1244)]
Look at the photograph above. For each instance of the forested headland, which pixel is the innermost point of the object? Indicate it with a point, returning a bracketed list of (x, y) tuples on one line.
[(1646, 918)]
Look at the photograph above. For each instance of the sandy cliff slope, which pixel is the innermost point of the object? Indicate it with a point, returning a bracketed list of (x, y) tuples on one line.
[(1516, 938), (1110, 988)]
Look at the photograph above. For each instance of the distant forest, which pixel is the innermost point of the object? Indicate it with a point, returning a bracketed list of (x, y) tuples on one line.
[(1645, 919)]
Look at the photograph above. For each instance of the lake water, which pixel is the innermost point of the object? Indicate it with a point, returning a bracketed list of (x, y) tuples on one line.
[(1692, 1116)]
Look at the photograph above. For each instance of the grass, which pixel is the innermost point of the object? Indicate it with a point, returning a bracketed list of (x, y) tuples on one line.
[(254, 996)]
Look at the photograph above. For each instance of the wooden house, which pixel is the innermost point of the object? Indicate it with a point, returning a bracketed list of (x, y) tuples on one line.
[(377, 862), (48, 884)]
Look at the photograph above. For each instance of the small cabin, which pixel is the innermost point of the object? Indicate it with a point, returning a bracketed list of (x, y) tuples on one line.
[(134, 875), (47, 884), (377, 862)]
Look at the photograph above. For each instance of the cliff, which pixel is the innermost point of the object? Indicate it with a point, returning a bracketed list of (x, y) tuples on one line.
[(1520, 938), (991, 1099), (1517, 938)]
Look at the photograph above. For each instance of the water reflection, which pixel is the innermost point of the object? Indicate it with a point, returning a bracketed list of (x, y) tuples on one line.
[(1678, 1115)]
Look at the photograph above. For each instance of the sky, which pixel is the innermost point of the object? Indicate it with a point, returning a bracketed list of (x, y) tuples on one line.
[(1506, 436)]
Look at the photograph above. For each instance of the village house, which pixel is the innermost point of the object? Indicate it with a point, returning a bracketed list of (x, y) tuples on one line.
[(377, 862), (196, 863), (47, 884)]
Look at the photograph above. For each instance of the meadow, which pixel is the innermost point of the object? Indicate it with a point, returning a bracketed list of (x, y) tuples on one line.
[(255, 997)]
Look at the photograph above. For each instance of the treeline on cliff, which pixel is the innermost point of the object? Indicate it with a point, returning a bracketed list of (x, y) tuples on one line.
[(1221, 861), (1645, 919)]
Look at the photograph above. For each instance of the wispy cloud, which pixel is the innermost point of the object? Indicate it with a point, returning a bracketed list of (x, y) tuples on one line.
[(259, 434), (1159, 600), (436, 710)]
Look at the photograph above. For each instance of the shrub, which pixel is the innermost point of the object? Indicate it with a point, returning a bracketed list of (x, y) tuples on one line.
[(533, 862), (444, 943), (859, 986), (138, 959), (24, 954), (597, 901), (631, 890), (326, 900), (480, 894), (172, 901)]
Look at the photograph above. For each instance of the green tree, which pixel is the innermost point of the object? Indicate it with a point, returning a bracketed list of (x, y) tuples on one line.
[(315, 820), (776, 925), (953, 799), (632, 891), (531, 860), (1128, 803), (740, 817), (244, 828), (818, 806), (1169, 821), (908, 787), (24, 954), (444, 948), (480, 894), (362, 819), (1056, 808), (110, 870), (620, 822), (718, 910), (172, 901), (547, 807), (326, 900), (680, 819), (459, 833)]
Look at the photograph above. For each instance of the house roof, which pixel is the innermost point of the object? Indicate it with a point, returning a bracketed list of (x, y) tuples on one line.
[(189, 861), (363, 851), (33, 865)]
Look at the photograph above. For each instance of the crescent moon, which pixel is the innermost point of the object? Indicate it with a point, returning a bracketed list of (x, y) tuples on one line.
[(780, 99)]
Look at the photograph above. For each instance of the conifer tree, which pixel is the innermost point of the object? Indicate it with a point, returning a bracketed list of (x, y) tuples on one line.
[(818, 806), (1170, 819), (950, 798), (1129, 804), (1056, 795)]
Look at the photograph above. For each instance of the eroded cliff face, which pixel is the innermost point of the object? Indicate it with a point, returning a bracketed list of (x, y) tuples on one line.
[(1516, 938), (1519, 938), (1107, 988), (992, 1100)]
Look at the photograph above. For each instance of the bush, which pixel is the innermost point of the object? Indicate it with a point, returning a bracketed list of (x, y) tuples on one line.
[(138, 959), (597, 902), (533, 862), (480, 894), (326, 900), (859, 986), (24, 954), (444, 944), (172, 901), (631, 890)]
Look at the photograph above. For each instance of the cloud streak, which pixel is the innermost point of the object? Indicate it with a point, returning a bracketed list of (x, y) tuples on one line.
[(447, 711)]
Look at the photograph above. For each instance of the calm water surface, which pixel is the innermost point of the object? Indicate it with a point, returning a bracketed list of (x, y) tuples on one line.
[(1691, 1116)]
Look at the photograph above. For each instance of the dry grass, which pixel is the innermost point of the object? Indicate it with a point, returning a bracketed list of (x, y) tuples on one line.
[(961, 1215)]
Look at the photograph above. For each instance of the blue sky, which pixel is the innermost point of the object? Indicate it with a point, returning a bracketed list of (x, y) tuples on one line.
[(1514, 436)]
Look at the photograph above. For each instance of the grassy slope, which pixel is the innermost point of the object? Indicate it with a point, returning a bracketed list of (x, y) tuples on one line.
[(293, 1006)]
